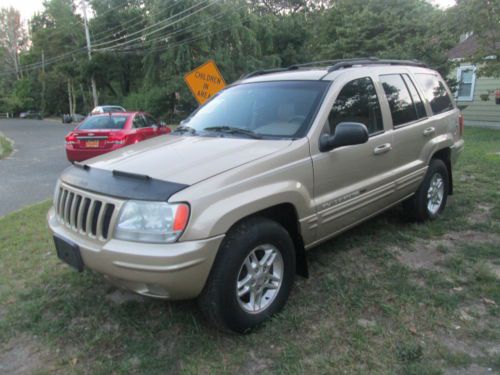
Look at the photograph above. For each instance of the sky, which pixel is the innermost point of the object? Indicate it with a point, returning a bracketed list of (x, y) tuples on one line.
[(29, 7)]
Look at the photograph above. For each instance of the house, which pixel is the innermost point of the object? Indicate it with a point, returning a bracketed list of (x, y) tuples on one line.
[(479, 96)]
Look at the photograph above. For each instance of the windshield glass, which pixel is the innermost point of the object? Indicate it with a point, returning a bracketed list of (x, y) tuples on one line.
[(269, 109), (104, 122), (112, 109)]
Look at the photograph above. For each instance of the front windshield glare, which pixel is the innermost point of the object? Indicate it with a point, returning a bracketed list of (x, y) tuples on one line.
[(269, 109)]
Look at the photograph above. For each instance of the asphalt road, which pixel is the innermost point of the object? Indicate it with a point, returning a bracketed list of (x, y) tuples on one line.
[(29, 174)]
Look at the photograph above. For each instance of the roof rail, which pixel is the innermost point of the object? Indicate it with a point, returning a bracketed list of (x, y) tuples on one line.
[(332, 65), (373, 61), (262, 72), (329, 62)]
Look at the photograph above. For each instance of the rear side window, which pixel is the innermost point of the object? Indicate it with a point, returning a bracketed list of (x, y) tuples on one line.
[(435, 92), (417, 100), (104, 122), (357, 102), (400, 101), (140, 122)]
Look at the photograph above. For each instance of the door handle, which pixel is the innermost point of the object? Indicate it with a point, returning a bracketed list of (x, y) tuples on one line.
[(382, 149), (429, 131)]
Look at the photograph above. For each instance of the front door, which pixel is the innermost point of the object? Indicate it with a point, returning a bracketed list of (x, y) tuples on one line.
[(353, 182)]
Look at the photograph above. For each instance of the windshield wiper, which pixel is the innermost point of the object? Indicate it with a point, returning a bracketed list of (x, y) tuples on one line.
[(234, 130), (185, 129)]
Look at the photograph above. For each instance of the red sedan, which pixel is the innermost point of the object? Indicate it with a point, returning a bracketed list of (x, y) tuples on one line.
[(99, 134)]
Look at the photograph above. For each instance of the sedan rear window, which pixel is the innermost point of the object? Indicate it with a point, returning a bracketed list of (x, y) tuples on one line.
[(104, 122)]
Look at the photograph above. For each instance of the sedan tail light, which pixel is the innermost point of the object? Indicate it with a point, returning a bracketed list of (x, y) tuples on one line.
[(71, 139)]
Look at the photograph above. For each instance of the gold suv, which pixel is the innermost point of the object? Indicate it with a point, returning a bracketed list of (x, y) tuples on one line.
[(224, 208)]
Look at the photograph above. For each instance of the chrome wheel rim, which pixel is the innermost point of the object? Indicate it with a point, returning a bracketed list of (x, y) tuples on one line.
[(259, 279), (435, 194)]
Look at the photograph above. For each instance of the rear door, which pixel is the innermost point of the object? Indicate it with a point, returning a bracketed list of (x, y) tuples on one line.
[(418, 105), (412, 130), (352, 183), (143, 130)]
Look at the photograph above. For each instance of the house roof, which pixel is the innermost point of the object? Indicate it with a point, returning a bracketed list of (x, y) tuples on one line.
[(467, 48)]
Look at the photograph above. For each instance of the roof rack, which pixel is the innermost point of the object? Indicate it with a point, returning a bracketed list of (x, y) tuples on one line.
[(342, 64), (333, 65)]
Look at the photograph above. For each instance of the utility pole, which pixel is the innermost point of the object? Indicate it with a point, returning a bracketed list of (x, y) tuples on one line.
[(43, 81), (89, 51)]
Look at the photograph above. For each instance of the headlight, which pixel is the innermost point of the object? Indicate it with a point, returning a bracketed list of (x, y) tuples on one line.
[(157, 222)]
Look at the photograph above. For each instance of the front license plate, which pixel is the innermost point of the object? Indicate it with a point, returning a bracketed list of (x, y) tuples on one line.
[(92, 144), (69, 253)]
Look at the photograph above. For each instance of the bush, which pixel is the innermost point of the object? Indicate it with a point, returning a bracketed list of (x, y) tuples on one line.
[(154, 100)]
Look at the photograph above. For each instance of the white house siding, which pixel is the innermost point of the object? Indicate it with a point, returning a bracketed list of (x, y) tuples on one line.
[(480, 111)]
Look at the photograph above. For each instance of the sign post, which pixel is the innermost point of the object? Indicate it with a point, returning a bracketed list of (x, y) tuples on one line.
[(205, 81)]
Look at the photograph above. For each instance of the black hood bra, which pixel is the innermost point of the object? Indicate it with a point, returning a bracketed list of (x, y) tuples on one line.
[(119, 184)]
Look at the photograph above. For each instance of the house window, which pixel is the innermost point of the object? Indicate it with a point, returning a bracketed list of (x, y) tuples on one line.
[(466, 77)]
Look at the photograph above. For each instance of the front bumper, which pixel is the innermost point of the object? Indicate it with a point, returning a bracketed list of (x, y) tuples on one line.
[(170, 271)]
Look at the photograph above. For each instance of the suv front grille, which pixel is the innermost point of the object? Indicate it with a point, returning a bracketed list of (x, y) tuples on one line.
[(85, 213)]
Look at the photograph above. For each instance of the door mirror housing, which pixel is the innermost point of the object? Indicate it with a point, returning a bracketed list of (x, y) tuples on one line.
[(346, 134)]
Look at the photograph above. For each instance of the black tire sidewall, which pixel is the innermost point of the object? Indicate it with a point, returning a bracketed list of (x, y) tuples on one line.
[(436, 166), (233, 253)]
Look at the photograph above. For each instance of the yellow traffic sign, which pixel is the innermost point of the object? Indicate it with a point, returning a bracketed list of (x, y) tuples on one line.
[(205, 81)]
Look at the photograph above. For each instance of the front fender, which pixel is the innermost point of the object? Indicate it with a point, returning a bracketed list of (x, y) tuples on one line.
[(219, 217)]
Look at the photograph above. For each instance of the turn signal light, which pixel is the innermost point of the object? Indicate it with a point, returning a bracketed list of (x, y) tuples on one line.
[(181, 217)]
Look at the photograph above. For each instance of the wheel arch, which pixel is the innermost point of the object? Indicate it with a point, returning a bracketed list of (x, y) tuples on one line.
[(444, 155), (286, 215)]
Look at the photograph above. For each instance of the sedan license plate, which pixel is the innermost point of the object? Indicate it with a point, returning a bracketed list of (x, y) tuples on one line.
[(69, 253), (92, 144)]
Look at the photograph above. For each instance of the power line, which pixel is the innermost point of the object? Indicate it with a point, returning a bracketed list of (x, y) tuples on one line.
[(179, 31), (121, 26), (175, 45), (159, 22), (50, 61)]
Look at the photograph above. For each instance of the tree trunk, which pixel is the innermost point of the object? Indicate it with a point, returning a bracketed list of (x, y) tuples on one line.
[(73, 97), (69, 98)]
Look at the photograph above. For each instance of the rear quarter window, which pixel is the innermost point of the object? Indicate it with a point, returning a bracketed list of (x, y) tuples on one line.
[(435, 92)]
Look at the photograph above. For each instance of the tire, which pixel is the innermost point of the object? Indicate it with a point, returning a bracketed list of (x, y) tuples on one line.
[(435, 186), (219, 301)]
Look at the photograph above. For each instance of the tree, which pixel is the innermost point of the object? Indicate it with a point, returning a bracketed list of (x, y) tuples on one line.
[(399, 29), (482, 18), (12, 38)]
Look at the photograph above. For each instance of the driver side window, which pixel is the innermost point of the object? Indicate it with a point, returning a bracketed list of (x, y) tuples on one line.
[(357, 102)]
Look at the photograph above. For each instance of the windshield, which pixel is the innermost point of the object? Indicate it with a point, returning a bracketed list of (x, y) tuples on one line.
[(104, 122), (112, 109), (266, 109)]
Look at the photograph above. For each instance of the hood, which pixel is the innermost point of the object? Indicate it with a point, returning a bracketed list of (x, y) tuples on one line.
[(186, 159)]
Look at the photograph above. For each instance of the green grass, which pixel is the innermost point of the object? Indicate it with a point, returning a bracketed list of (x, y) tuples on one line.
[(5, 147), (412, 313)]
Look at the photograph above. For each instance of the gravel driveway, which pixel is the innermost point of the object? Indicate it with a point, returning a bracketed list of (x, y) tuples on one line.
[(29, 174)]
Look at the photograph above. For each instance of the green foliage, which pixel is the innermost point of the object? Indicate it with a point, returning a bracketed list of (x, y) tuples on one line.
[(142, 68), (155, 100), (482, 18)]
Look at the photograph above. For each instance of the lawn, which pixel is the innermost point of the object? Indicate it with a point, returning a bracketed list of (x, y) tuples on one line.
[(387, 297), (5, 147)]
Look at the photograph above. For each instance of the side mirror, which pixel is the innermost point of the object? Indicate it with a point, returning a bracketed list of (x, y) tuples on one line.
[(346, 134)]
